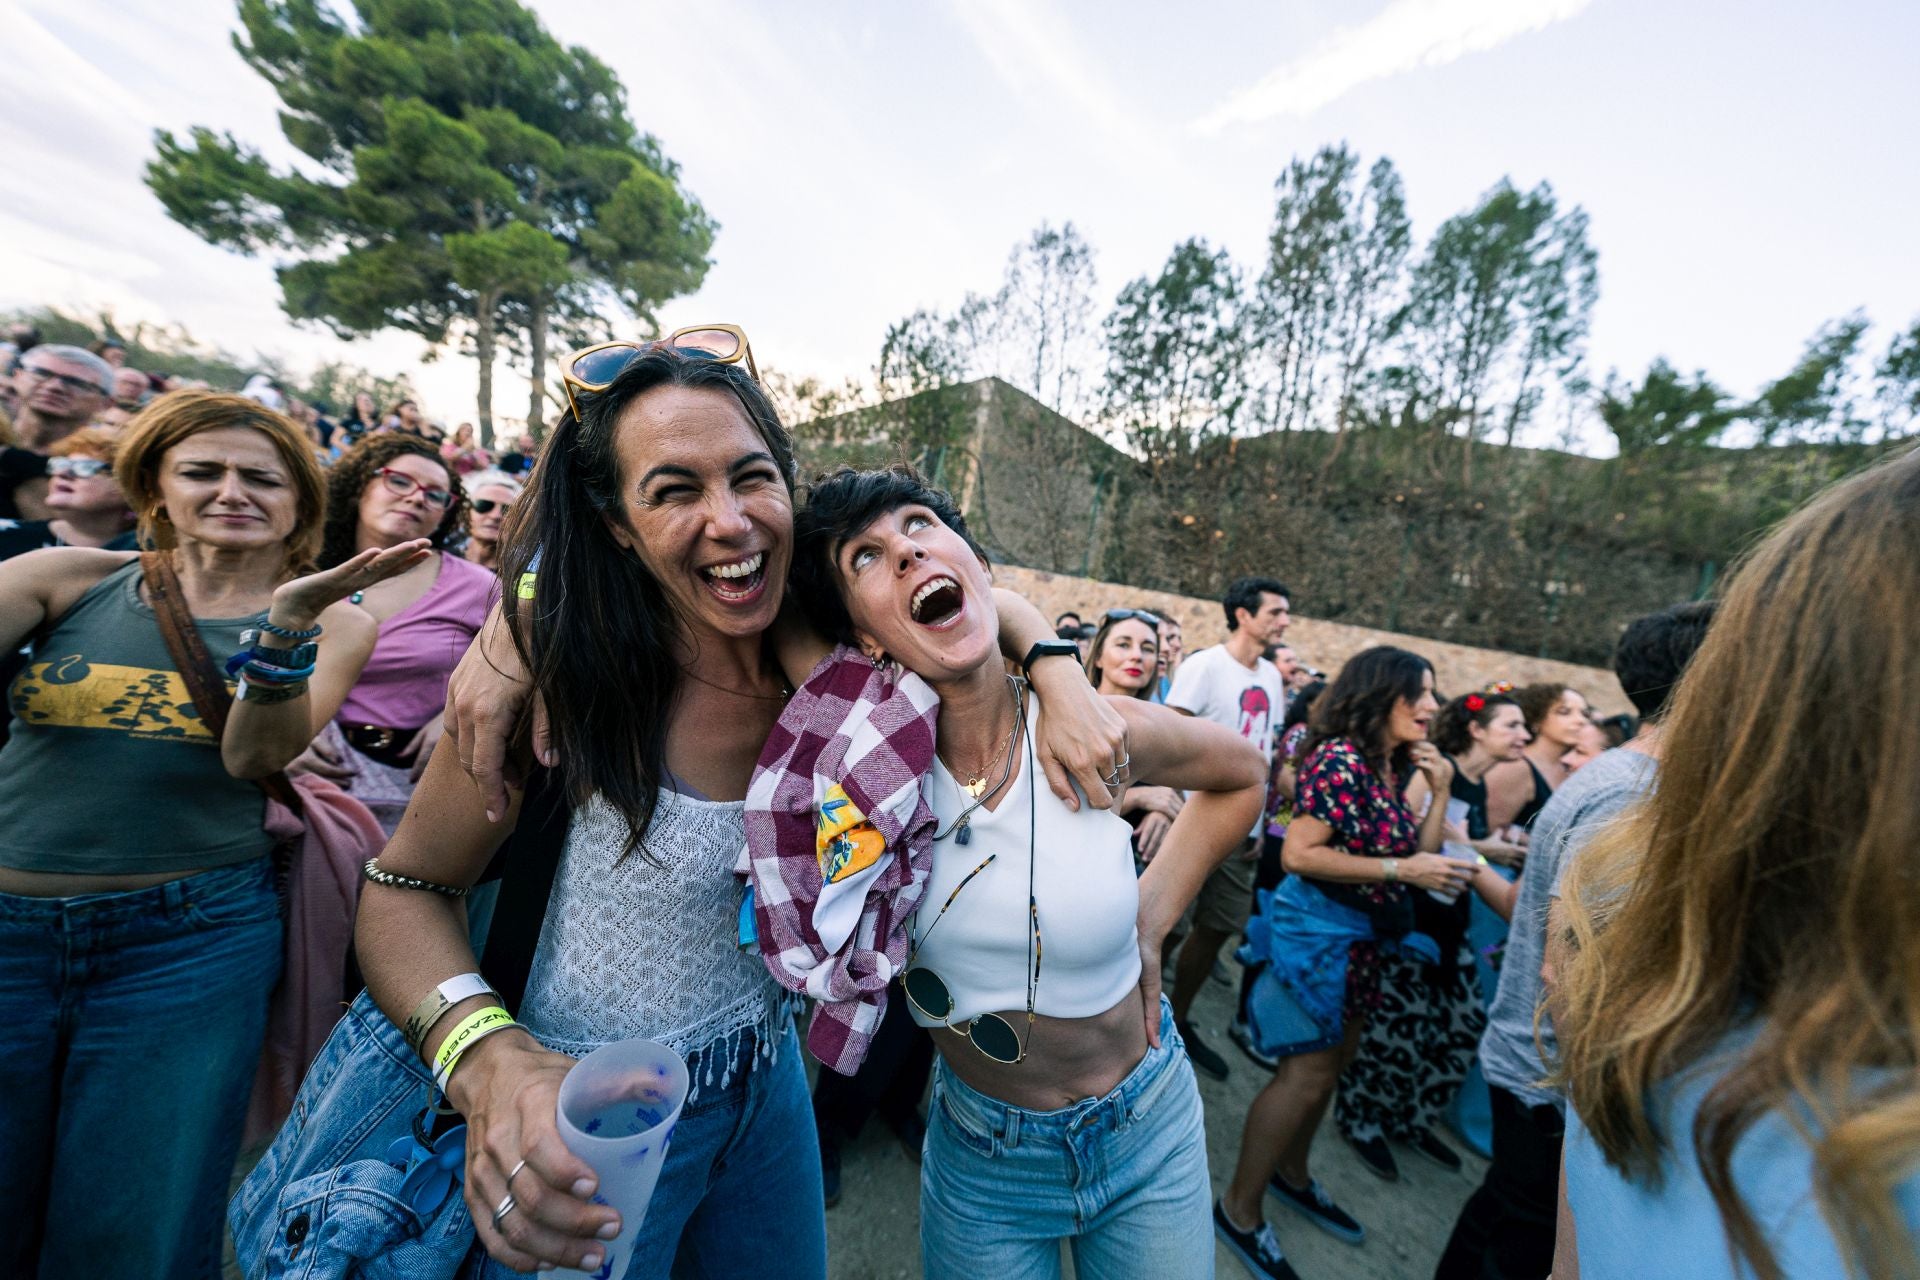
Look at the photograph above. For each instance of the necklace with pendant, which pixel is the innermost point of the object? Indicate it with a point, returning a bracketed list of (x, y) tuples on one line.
[(977, 788)]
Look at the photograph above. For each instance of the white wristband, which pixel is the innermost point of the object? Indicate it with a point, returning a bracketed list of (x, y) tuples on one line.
[(460, 987)]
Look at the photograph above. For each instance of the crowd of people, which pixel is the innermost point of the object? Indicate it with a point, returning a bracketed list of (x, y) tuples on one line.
[(1656, 970)]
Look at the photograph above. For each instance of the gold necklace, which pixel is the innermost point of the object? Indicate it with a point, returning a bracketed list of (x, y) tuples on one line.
[(782, 696), (977, 783)]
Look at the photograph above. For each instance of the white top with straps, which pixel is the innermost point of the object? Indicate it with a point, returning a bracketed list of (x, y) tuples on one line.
[(1083, 881), (645, 943)]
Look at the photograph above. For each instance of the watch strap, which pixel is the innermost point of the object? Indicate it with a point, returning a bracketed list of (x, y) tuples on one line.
[(1049, 648)]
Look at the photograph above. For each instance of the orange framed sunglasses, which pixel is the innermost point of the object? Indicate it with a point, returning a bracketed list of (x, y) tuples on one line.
[(593, 369)]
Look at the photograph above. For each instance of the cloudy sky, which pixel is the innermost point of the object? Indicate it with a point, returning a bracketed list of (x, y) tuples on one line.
[(1742, 163)]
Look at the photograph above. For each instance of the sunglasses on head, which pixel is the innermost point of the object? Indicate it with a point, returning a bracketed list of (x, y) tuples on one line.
[(78, 468), (594, 369), (402, 484), (485, 506), (1134, 615)]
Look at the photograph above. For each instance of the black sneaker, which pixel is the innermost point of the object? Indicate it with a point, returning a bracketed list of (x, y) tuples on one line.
[(1202, 1054), (1238, 1033), (1312, 1201), (1374, 1154), (830, 1172), (1257, 1250), (1437, 1151)]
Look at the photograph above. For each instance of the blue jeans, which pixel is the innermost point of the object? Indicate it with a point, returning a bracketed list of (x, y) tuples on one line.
[(740, 1194), (1122, 1178), (133, 1027)]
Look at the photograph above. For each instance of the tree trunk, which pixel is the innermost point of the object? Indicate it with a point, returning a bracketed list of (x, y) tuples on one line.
[(483, 344), (537, 348)]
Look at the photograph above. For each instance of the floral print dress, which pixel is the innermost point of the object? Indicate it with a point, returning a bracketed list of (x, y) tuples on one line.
[(1370, 819)]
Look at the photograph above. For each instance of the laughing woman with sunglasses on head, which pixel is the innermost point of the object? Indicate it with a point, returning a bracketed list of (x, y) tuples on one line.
[(649, 565), (386, 490), (1064, 1106)]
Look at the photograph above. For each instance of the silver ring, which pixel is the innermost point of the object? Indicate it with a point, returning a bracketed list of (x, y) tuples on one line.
[(507, 1206), (516, 1172), (1112, 779)]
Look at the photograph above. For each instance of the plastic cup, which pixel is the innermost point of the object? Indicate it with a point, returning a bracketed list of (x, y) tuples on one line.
[(1459, 853), (617, 1110)]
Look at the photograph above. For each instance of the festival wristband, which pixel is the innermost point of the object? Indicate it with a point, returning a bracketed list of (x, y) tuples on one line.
[(473, 1028), (463, 986)]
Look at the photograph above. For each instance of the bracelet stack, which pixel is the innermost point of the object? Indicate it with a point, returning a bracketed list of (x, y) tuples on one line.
[(420, 1024), (471, 1030), (270, 672)]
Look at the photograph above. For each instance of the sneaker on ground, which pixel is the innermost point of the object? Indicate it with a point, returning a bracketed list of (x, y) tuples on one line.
[(1202, 1054), (1238, 1033), (1430, 1146), (1312, 1201), (1257, 1250), (1374, 1154)]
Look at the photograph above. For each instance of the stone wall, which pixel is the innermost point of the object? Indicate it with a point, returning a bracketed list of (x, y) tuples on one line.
[(1326, 645)]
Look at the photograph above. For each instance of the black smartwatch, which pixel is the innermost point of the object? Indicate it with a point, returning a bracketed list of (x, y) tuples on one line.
[(1049, 649)]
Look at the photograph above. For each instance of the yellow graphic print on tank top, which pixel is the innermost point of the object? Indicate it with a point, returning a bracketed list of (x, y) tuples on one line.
[(72, 693)]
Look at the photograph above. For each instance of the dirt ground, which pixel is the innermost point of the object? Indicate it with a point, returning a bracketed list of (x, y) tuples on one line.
[(873, 1234)]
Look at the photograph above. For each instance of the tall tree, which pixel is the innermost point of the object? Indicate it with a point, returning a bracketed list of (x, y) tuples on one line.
[(468, 171), (1819, 398), (1176, 356), (1666, 411), (1897, 383), (1499, 310), (1043, 316), (1300, 290), (920, 357)]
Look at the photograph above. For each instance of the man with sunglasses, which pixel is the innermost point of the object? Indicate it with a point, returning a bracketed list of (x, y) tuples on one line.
[(59, 389)]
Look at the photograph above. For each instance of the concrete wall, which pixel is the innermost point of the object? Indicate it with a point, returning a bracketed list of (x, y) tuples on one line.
[(1326, 645)]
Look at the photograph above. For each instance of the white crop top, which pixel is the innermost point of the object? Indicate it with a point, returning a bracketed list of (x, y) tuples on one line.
[(1083, 882)]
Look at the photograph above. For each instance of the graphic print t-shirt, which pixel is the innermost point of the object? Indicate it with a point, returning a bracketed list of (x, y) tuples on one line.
[(1248, 700)]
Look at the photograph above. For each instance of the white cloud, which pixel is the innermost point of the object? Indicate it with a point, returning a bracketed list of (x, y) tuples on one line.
[(1406, 35)]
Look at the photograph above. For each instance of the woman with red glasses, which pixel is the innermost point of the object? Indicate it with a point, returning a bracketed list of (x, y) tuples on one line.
[(386, 490)]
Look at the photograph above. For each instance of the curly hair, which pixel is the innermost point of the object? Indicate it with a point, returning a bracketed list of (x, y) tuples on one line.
[(1536, 700), (355, 471)]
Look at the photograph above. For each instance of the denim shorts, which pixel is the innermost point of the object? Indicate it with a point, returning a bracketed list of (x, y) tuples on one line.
[(1122, 1178)]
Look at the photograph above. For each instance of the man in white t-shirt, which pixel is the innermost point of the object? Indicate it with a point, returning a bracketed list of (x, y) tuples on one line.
[(1230, 684)]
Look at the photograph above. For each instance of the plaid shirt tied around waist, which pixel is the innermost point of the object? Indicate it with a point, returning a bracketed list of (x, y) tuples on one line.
[(840, 843)]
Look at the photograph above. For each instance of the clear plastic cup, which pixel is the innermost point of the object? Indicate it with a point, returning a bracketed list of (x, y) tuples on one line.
[(617, 1110), (1460, 853)]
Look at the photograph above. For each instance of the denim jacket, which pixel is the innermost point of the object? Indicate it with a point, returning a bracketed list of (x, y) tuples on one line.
[(1301, 935), (324, 1201)]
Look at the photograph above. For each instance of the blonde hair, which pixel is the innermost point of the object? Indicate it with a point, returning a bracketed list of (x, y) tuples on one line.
[(181, 415), (1770, 879)]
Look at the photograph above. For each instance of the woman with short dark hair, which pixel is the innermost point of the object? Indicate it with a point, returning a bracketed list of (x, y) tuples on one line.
[(1078, 1056)]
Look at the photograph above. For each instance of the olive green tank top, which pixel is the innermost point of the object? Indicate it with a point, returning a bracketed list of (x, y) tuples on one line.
[(109, 770)]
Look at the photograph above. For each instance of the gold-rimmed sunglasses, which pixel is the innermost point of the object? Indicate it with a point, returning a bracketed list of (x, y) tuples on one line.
[(593, 369), (990, 1033)]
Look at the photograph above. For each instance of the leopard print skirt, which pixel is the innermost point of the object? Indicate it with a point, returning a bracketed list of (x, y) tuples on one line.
[(1419, 1043)]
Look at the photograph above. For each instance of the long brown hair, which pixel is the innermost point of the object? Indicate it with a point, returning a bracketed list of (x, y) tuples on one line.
[(1770, 879), (1099, 647)]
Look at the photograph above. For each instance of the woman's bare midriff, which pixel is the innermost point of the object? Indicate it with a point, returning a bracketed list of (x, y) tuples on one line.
[(54, 884), (1068, 1059)]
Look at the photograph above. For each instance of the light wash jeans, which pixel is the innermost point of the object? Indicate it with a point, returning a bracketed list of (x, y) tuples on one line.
[(133, 1027), (1123, 1179)]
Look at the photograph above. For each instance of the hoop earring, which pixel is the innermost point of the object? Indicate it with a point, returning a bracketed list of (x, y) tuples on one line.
[(879, 660)]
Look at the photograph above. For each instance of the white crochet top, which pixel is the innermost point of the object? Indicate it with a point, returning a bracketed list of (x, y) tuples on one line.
[(647, 944)]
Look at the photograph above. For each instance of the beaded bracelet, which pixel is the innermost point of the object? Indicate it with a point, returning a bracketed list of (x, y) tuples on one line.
[(311, 633), (392, 880)]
